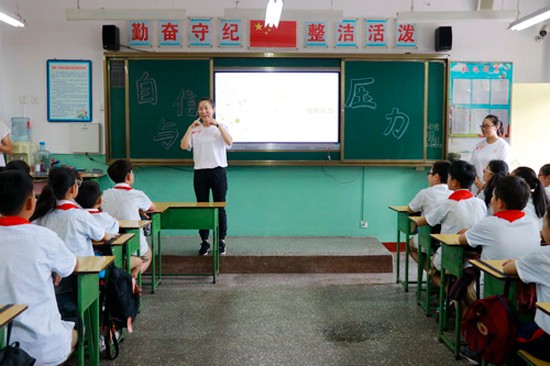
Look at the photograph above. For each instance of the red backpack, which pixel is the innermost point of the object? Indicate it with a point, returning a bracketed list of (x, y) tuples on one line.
[(490, 328)]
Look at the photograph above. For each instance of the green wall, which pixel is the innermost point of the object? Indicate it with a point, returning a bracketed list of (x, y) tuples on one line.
[(290, 201)]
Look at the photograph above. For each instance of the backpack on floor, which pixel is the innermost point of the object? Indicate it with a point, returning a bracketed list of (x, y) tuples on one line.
[(490, 328), (119, 307)]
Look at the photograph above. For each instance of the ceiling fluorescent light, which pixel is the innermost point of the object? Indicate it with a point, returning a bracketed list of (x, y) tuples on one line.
[(459, 16), (288, 14), (10, 19), (534, 18), (124, 14)]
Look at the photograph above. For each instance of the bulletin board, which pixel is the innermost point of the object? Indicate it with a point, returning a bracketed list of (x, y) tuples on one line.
[(69, 90)]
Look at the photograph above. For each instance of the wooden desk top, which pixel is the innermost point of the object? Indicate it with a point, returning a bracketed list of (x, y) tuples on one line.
[(399, 208), (493, 267), (544, 306), (415, 219), (119, 240), (41, 176), (7, 315), (93, 264), (163, 206), (448, 239), (133, 224)]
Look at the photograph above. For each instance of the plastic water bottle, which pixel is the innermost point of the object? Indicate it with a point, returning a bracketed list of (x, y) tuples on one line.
[(42, 159)]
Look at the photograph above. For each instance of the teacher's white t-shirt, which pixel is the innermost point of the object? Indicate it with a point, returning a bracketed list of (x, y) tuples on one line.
[(4, 131), (484, 152)]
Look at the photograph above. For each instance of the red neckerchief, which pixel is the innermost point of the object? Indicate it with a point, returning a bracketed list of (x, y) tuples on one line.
[(510, 215), (12, 220), (66, 206), (94, 211), (461, 194), (123, 187)]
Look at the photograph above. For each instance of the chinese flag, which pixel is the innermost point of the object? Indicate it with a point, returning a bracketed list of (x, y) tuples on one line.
[(282, 36)]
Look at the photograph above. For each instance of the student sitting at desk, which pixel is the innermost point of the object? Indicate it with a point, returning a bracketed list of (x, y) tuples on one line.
[(535, 268), (459, 211), (428, 198), (123, 202), (544, 177), (538, 201), (57, 210), (31, 258), (495, 170)]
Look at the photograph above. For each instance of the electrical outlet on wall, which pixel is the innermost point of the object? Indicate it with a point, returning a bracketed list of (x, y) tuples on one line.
[(364, 224)]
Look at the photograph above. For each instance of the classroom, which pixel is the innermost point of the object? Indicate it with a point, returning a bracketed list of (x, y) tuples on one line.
[(272, 197)]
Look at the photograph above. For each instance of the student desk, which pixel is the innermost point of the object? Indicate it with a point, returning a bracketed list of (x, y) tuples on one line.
[(494, 281), (88, 305), (424, 256), (452, 263), (544, 306), (6, 316), (133, 245), (403, 226), (190, 216), (117, 248)]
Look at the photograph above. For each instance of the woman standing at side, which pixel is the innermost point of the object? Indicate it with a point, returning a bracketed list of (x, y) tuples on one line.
[(209, 141), (5, 143), (493, 147)]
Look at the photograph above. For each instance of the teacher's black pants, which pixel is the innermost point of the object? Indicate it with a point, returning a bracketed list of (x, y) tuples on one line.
[(214, 179)]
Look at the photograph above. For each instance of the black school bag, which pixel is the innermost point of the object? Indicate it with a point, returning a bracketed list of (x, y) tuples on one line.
[(119, 304), (490, 328)]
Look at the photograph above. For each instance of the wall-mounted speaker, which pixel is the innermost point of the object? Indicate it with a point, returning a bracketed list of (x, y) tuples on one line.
[(443, 39), (111, 38)]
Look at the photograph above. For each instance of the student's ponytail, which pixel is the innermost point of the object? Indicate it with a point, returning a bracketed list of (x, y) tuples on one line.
[(540, 200), (499, 168), (45, 203), (60, 180)]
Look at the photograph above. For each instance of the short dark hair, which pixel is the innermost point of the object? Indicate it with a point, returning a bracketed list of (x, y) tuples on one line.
[(119, 170), (15, 188), (545, 170), (88, 194), (20, 165), (442, 169), (206, 100), (463, 172), (513, 191)]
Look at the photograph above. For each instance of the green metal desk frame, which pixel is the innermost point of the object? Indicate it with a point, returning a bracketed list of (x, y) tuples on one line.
[(192, 216), (88, 306), (424, 261), (403, 226)]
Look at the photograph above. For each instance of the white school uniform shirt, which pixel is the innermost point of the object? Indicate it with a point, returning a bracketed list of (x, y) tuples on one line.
[(535, 268), (532, 214), (209, 149), (428, 198), (460, 211), (484, 152), (28, 256), (75, 226), (505, 235), (123, 203), (4, 131), (106, 221), (547, 190)]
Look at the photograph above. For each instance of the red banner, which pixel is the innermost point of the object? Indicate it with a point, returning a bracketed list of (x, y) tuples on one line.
[(282, 36)]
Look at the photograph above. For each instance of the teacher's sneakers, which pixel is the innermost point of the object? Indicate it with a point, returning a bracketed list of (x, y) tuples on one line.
[(222, 247), (205, 248)]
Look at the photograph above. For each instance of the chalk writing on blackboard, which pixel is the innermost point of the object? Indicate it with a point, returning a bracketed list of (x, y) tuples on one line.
[(434, 136), (186, 101), (146, 89), (398, 122), (359, 96), (167, 134)]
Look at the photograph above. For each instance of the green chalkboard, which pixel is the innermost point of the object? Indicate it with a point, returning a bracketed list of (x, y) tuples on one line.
[(386, 110), (393, 108)]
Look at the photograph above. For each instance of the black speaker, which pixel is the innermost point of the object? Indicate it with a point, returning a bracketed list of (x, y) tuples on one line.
[(443, 39), (111, 38)]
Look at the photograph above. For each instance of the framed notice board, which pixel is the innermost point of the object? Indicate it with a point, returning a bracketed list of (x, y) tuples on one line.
[(69, 84), (393, 108)]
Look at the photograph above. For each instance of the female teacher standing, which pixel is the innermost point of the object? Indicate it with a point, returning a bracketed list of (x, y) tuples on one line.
[(5, 143), (494, 147), (209, 141)]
